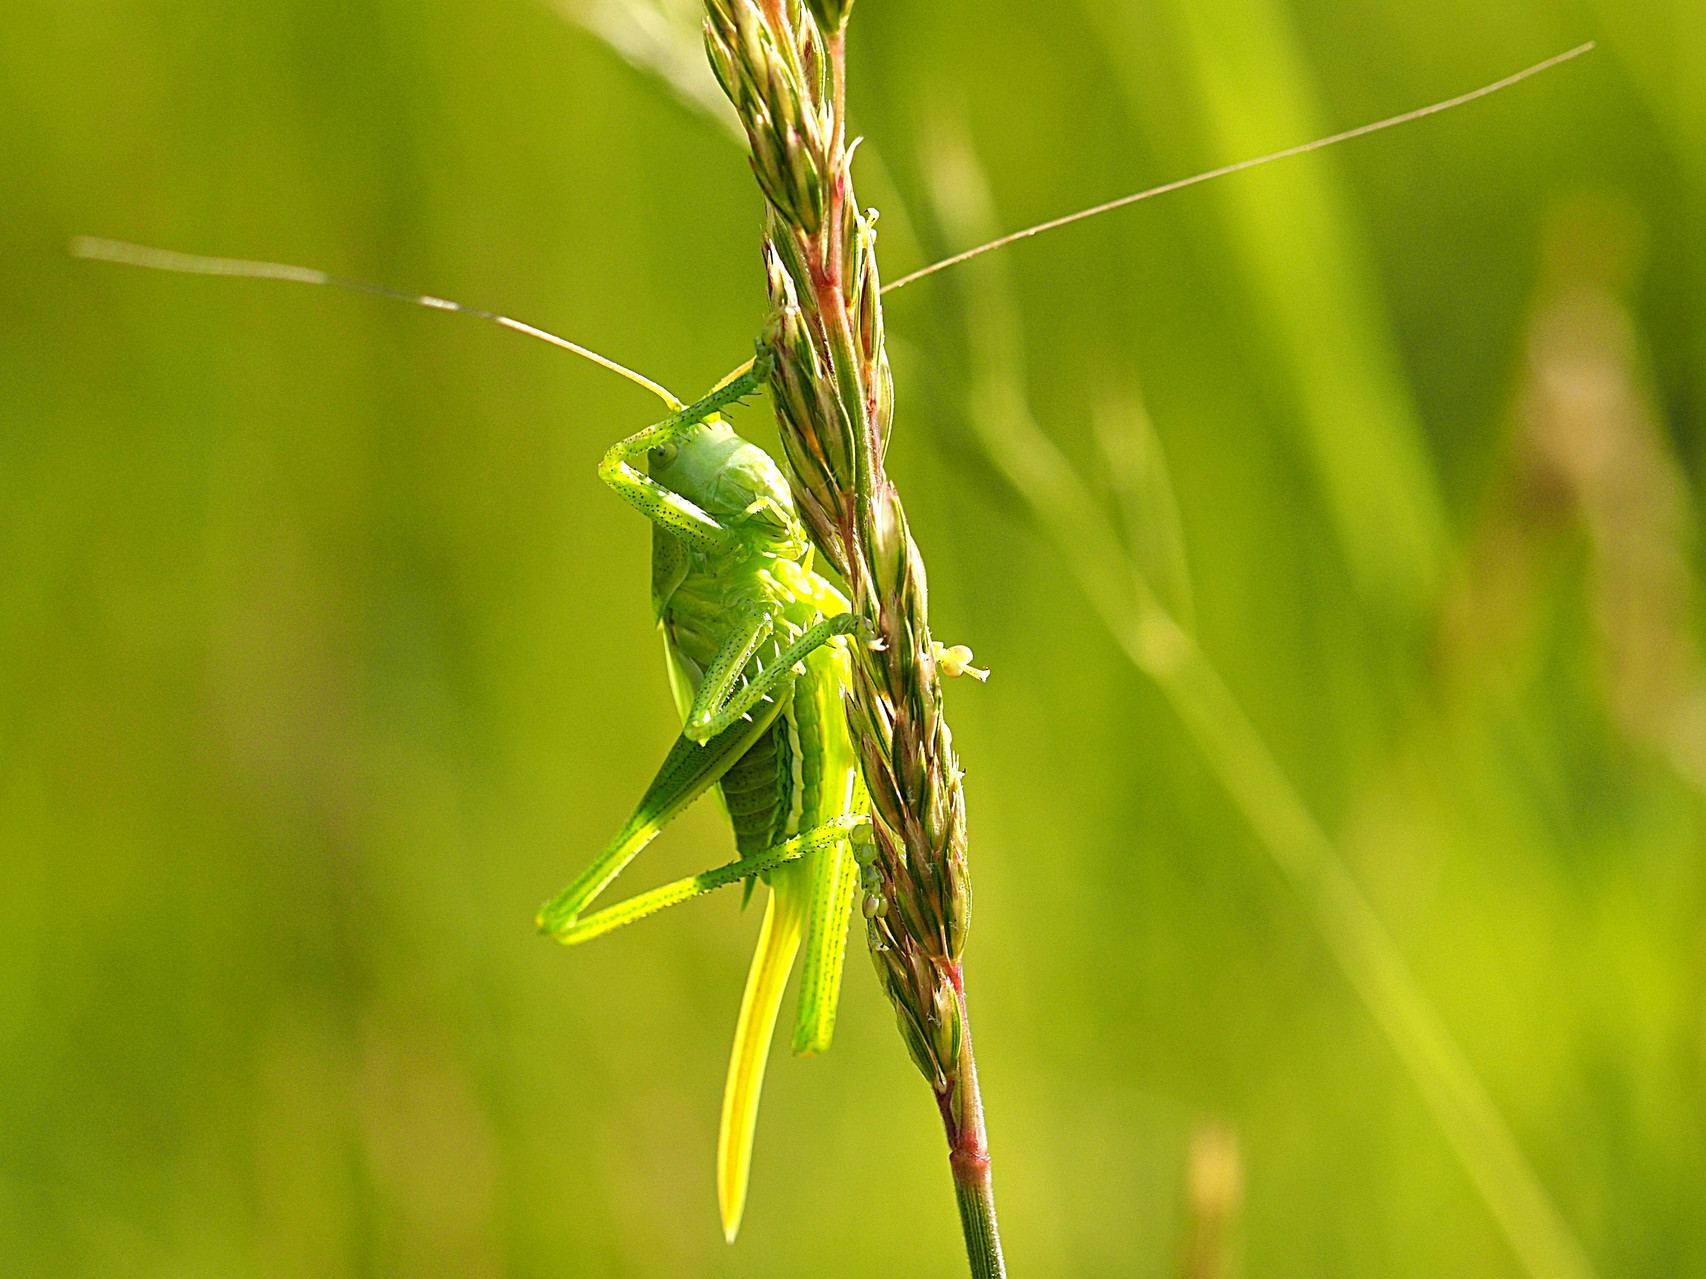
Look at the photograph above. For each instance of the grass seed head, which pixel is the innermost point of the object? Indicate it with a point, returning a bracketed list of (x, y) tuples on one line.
[(780, 62)]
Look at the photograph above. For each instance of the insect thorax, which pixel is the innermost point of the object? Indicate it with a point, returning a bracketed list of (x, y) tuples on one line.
[(738, 485)]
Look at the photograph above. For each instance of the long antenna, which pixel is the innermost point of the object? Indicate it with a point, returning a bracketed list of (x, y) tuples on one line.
[(1302, 149), (87, 246), (94, 247)]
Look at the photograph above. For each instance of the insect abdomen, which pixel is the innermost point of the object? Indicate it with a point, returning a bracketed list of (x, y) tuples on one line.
[(758, 788), (776, 789)]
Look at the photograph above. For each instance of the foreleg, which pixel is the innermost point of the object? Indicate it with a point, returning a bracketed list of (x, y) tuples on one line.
[(674, 512), (710, 714)]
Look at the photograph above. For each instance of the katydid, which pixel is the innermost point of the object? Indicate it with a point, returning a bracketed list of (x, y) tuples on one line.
[(757, 651), (757, 660)]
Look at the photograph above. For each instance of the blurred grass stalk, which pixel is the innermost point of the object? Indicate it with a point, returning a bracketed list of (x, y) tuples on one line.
[(1119, 587), (661, 38), (1214, 1192), (1298, 242), (1662, 46)]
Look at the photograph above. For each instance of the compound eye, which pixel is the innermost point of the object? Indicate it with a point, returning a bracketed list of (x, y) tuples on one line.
[(664, 454)]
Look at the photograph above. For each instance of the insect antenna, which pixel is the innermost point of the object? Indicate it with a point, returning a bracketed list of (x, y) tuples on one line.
[(97, 249), (1304, 148)]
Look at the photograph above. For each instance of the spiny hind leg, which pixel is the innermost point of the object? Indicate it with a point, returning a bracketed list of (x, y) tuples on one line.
[(832, 883), (640, 905), (687, 772)]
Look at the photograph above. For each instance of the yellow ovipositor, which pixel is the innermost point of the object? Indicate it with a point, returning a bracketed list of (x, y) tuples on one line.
[(778, 942)]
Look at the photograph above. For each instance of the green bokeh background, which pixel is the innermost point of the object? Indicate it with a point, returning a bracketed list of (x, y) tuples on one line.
[(324, 656)]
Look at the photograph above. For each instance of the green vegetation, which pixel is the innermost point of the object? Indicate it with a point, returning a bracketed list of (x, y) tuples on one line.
[(326, 653)]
